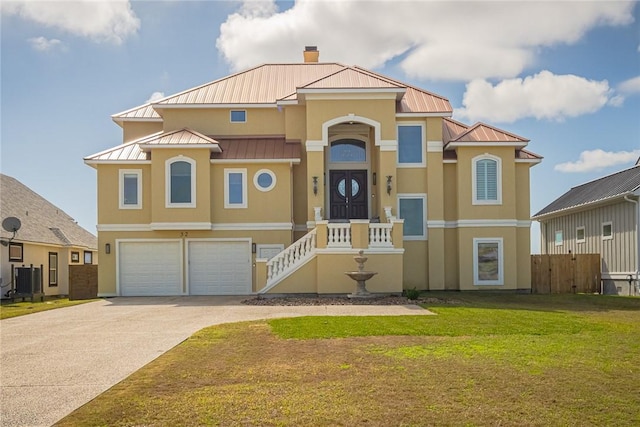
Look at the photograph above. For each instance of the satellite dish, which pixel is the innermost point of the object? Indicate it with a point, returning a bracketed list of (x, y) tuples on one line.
[(11, 224)]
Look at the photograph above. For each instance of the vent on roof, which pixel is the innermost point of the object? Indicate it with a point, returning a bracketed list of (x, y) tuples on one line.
[(311, 54)]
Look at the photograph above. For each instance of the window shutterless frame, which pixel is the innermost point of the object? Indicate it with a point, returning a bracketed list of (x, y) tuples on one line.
[(412, 143)]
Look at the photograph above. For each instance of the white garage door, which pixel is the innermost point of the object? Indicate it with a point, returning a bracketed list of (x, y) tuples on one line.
[(219, 268), (150, 268)]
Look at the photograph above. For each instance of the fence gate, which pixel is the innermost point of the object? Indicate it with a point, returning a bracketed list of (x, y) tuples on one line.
[(563, 274)]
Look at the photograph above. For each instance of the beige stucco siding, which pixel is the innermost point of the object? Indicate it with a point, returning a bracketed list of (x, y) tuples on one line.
[(416, 264), (135, 130), (466, 208), (262, 207), (217, 121), (321, 111), (109, 211), (202, 210)]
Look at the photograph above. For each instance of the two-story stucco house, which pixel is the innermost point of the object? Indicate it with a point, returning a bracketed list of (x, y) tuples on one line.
[(271, 180)]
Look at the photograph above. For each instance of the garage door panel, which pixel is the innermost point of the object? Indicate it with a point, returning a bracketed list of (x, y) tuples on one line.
[(150, 268), (219, 268)]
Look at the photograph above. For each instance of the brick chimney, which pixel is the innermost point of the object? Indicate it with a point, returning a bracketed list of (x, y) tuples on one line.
[(311, 54)]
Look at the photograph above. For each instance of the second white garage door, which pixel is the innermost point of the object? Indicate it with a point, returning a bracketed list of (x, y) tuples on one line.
[(219, 267)]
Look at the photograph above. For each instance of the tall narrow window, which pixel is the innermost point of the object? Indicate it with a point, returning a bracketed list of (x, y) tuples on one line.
[(181, 182), (580, 238), (53, 269), (235, 188), (487, 185), (558, 238), (488, 261), (607, 230), (130, 189), (412, 209), (411, 146)]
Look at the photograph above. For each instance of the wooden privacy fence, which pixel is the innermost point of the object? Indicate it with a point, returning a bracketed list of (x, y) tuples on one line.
[(564, 274), (83, 281)]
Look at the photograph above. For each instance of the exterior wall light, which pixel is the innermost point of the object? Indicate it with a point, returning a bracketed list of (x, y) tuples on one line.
[(315, 185), (107, 248), (389, 184)]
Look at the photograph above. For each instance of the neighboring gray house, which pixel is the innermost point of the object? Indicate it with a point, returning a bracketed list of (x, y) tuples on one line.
[(601, 216), (48, 237)]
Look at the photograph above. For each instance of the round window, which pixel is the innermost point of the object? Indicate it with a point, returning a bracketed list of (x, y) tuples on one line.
[(264, 180)]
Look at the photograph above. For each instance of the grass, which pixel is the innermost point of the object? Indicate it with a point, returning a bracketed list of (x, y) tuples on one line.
[(497, 359), (20, 308)]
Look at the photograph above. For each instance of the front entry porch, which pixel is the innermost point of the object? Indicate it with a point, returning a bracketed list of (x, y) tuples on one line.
[(316, 263)]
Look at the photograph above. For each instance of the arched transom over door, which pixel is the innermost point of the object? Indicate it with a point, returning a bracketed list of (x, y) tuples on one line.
[(348, 183)]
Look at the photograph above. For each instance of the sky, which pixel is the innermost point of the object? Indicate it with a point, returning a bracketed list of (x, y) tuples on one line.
[(563, 74)]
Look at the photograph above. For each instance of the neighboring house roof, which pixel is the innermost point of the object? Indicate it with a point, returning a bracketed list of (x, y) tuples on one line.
[(274, 83), (42, 222), (607, 188), (258, 148)]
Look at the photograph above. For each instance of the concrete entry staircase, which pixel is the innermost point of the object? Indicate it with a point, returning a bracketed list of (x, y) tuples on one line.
[(316, 262)]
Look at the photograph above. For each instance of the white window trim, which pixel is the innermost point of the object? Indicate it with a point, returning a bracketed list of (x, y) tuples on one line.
[(138, 173), (237, 121), (273, 180), (555, 240), (227, 204), (584, 235), (604, 224), (500, 280), (167, 182), (259, 247), (423, 138), (474, 183), (422, 196)]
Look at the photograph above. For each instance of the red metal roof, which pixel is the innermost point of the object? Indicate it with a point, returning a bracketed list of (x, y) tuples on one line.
[(275, 148)]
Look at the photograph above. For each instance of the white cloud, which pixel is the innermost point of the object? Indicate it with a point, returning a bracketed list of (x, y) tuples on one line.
[(596, 160), (436, 40), (155, 96), (43, 44), (543, 96), (631, 86), (112, 21)]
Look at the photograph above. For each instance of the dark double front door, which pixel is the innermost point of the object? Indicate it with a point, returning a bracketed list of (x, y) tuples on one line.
[(348, 194)]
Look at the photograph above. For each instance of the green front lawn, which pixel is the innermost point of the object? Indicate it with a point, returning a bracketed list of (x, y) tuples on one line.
[(18, 308), (494, 359)]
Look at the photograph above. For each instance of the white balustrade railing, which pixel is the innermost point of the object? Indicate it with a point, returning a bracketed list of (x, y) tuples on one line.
[(339, 235), (380, 235), (289, 259)]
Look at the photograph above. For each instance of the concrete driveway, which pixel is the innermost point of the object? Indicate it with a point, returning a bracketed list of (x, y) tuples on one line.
[(55, 361)]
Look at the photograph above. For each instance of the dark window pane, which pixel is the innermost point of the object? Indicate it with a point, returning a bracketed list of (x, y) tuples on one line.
[(180, 182), (410, 144), (348, 150)]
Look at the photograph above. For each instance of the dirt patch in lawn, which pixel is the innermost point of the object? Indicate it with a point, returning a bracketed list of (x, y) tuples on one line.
[(320, 300)]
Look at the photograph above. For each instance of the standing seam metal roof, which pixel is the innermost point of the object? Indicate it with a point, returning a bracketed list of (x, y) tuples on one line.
[(611, 186), (266, 84)]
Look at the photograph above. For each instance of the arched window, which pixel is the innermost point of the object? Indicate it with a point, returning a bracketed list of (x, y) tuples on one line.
[(487, 185), (180, 182), (348, 151)]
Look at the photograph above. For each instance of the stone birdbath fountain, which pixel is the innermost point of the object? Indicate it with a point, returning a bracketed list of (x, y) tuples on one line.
[(360, 276)]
